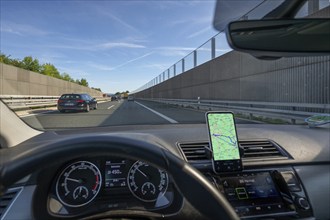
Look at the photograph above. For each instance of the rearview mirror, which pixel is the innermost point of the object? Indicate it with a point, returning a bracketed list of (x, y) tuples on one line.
[(280, 38)]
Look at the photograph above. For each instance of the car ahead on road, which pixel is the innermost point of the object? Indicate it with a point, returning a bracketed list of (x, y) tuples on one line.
[(130, 98), (76, 102), (115, 98)]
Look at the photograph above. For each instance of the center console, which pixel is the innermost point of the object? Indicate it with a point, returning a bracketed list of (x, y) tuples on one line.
[(264, 193)]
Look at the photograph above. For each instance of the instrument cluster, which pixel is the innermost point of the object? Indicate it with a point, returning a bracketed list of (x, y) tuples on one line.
[(110, 183)]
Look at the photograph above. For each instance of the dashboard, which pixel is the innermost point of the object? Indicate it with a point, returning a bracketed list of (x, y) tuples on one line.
[(97, 184), (112, 186), (89, 185)]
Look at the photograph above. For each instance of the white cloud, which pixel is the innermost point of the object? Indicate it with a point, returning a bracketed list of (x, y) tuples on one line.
[(177, 48), (101, 67), (158, 66), (122, 22), (109, 68), (191, 21), (97, 47), (102, 10), (174, 51), (133, 60), (120, 44), (22, 29), (72, 47), (11, 31), (74, 72), (204, 30)]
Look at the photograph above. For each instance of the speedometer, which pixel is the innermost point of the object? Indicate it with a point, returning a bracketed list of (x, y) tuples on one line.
[(78, 184), (146, 182)]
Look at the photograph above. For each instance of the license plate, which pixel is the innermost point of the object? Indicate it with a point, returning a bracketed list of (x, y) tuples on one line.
[(68, 104)]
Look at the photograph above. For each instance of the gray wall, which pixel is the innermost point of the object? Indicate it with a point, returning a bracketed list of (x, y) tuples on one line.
[(238, 76), (17, 81)]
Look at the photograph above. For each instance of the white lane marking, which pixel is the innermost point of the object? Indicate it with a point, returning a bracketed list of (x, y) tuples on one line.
[(159, 114), (33, 114), (103, 101), (111, 106)]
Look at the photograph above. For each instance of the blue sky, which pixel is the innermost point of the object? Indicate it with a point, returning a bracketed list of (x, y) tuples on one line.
[(115, 45)]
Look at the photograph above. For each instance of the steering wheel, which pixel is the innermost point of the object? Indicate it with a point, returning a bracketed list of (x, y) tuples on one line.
[(18, 162)]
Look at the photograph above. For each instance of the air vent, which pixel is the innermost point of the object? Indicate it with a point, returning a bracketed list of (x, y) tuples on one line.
[(253, 150), (7, 199), (262, 149), (194, 152)]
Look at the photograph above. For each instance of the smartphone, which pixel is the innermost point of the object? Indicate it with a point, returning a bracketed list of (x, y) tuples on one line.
[(224, 142)]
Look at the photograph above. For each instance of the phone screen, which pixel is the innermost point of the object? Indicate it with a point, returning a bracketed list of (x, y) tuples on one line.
[(224, 142)]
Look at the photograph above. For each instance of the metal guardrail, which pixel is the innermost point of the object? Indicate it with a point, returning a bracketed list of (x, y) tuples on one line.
[(24, 102), (291, 111)]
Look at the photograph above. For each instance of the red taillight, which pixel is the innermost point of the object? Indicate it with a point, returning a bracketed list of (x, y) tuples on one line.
[(80, 101), (59, 101)]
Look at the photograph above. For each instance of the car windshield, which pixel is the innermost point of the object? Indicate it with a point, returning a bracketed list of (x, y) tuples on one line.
[(74, 64)]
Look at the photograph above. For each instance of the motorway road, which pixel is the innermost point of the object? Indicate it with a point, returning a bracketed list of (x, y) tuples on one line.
[(118, 113)]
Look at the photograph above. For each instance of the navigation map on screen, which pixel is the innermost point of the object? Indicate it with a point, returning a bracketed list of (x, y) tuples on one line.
[(223, 136)]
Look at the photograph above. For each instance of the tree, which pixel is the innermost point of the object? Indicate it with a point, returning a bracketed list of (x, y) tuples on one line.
[(124, 94), (50, 70), (82, 82), (5, 59), (31, 64), (98, 89), (47, 69), (16, 62), (66, 77)]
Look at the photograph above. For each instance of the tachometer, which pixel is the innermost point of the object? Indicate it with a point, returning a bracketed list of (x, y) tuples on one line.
[(146, 182), (78, 184)]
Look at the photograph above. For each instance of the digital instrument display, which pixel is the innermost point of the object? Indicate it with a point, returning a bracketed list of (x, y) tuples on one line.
[(253, 194), (224, 142), (115, 173)]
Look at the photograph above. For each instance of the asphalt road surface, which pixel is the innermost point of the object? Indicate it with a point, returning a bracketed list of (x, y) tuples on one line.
[(118, 113)]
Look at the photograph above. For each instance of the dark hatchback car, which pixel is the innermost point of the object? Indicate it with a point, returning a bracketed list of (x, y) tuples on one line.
[(76, 102)]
